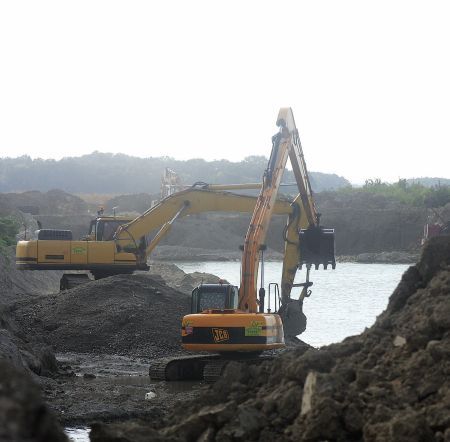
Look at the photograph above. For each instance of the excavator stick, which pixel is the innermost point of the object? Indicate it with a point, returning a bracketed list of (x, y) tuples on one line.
[(316, 247)]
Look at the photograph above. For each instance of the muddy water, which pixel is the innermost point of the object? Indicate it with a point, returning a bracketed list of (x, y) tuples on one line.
[(77, 434), (343, 302)]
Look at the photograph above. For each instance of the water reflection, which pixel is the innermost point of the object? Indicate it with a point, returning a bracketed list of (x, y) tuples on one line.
[(78, 434)]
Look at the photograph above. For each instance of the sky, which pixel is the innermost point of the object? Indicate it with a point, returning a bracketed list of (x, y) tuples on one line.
[(368, 81)]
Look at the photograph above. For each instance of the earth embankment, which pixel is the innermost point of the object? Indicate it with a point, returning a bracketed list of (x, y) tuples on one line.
[(15, 345), (363, 225), (23, 414)]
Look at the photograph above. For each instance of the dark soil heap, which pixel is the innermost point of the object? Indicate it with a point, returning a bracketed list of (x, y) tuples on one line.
[(391, 383), (124, 314), (15, 346), (23, 415)]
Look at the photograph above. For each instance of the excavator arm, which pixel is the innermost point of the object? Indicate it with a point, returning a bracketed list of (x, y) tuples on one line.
[(180, 204), (259, 224), (305, 241)]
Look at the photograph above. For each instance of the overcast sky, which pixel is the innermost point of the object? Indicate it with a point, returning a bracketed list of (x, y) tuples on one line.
[(368, 81)]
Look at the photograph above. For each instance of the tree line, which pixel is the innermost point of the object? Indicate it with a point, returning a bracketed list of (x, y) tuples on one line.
[(124, 174), (376, 194)]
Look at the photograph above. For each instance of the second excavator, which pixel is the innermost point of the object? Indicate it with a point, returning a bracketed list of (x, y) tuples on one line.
[(234, 323)]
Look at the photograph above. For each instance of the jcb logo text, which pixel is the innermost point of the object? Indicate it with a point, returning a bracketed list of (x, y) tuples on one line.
[(220, 334)]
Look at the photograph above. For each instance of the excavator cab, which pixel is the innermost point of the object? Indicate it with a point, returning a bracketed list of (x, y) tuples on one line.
[(103, 228), (214, 297)]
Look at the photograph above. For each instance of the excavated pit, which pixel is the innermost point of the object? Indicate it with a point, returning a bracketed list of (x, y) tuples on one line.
[(391, 383)]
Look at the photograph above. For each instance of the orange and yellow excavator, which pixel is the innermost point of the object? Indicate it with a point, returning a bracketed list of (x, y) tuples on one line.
[(232, 322)]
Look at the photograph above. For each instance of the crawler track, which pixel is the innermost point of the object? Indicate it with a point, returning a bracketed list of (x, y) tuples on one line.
[(198, 367), (179, 368)]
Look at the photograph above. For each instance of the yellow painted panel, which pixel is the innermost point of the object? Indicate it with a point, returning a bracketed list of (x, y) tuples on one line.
[(235, 319), (125, 258), (26, 249), (101, 252), (53, 251)]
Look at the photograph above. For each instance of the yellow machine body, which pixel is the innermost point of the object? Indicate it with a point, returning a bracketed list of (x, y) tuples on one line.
[(231, 331), (67, 255), (56, 250)]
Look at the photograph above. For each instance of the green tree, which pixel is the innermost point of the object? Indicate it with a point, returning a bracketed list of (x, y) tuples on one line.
[(8, 230)]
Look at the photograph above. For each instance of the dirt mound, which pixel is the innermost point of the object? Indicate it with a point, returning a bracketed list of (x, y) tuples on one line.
[(124, 314), (391, 383), (22, 354), (23, 415), (371, 230), (34, 202), (131, 203), (15, 347), (180, 280), (16, 284)]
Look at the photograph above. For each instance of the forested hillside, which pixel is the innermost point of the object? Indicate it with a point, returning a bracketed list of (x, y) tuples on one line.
[(109, 173)]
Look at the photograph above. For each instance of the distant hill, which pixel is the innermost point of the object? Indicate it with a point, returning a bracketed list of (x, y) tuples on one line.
[(120, 173)]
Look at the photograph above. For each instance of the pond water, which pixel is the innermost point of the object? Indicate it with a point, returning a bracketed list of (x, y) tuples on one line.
[(344, 301)]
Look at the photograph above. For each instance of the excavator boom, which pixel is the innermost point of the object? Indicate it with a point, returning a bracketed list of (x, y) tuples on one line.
[(281, 146)]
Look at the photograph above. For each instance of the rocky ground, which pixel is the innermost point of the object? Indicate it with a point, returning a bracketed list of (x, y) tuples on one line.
[(23, 413), (391, 383), (109, 388)]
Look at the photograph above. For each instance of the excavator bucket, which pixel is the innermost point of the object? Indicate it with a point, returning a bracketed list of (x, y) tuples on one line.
[(293, 318), (317, 247)]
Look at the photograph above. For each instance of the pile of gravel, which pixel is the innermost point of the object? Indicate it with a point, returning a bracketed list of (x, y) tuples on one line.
[(134, 315)]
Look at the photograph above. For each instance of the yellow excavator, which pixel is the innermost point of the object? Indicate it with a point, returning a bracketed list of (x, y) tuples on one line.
[(116, 245), (233, 323)]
